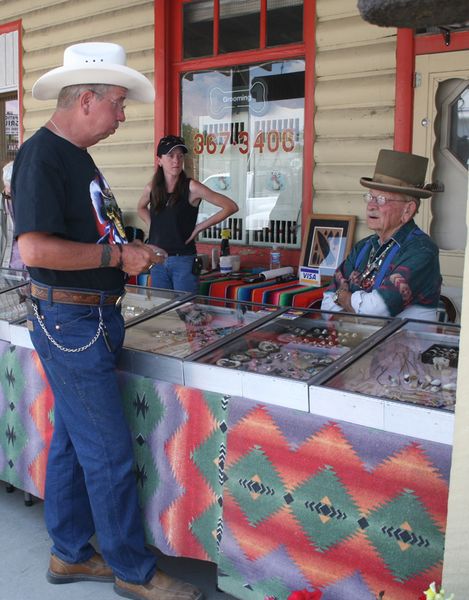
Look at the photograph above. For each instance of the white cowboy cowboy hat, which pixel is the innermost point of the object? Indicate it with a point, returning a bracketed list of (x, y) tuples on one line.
[(94, 63)]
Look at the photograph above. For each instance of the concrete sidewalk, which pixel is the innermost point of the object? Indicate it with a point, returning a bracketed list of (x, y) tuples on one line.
[(24, 558)]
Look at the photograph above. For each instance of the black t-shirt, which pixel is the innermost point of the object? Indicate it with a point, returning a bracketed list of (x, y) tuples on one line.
[(58, 189), (171, 226)]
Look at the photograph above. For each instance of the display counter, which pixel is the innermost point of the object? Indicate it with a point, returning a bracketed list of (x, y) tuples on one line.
[(405, 384), (137, 303), (159, 345), (281, 358), (292, 448)]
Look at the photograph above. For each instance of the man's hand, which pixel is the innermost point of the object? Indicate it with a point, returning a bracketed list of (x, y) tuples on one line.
[(344, 297), (138, 257)]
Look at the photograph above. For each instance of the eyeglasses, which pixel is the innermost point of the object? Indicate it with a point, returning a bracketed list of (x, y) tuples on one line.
[(380, 200), (117, 104)]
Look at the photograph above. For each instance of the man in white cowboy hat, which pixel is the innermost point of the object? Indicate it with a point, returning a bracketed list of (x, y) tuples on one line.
[(72, 239), (396, 271)]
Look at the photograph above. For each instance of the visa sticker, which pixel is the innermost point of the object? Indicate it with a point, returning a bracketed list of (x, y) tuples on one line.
[(309, 276)]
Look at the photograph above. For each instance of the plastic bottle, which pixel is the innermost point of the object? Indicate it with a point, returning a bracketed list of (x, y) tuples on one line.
[(225, 242), (275, 257), (215, 258), (226, 266)]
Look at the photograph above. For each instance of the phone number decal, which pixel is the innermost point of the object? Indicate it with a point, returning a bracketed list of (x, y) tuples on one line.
[(270, 141)]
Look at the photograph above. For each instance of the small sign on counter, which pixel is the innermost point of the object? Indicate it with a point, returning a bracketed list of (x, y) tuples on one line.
[(309, 276)]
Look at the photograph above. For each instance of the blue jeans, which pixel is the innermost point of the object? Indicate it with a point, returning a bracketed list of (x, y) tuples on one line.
[(90, 482), (175, 274)]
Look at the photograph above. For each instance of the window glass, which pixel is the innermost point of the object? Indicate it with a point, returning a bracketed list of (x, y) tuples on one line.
[(198, 29), (239, 25), (244, 129), (459, 128), (9, 130), (284, 22)]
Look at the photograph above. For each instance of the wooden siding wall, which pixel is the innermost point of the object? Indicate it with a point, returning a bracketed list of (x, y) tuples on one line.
[(354, 100), (126, 158)]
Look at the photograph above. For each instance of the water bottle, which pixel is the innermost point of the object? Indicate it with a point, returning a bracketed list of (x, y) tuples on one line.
[(275, 257)]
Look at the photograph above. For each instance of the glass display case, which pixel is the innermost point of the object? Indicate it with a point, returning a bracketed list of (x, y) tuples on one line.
[(139, 301), (417, 364), (185, 330), (405, 384), (295, 347)]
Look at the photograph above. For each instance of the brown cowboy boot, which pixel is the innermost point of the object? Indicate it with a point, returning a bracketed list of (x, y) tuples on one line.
[(160, 587), (94, 569)]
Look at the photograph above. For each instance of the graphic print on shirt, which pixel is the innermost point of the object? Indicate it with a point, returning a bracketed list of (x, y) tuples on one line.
[(107, 213)]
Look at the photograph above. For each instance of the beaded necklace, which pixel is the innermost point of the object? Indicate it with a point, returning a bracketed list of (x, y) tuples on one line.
[(367, 278)]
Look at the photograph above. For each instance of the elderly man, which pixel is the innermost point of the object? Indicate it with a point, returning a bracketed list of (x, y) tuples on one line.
[(396, 271), (71, 237)]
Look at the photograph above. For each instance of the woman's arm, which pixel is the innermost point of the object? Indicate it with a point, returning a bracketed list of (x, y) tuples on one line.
[(227, 206), (142, 206)]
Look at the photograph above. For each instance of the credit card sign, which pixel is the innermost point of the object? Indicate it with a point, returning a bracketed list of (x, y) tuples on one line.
[(309, 276)]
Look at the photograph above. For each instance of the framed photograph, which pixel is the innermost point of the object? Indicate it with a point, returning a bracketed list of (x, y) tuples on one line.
[(327, 242)]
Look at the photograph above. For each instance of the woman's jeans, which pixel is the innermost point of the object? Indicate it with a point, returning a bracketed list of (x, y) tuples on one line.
[(90, 483), (175, 274)]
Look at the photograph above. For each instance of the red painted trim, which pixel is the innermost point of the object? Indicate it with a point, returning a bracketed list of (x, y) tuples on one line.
[(432, 44), (403, 114), (263, 25), (239, 58), (176, 53), (309, 37), (161, 67), (11, 26)]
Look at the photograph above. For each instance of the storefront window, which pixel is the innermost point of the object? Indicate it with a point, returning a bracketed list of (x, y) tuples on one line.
[(9, 130), (244, 127), (284, 22), (198, 29), (239, 25)]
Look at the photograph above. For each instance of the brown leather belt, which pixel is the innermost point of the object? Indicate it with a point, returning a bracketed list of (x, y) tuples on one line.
[(66, 296)]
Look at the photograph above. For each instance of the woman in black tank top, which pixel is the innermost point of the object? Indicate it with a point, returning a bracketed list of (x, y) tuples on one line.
[(169, 205)]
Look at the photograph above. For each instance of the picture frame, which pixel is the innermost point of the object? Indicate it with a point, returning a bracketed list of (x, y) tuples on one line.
[(327, 242)]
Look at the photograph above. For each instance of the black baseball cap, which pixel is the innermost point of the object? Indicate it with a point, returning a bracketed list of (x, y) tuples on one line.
[(168, 143)]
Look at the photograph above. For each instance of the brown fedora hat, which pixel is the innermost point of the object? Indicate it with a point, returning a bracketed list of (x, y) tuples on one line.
[(399, 172)]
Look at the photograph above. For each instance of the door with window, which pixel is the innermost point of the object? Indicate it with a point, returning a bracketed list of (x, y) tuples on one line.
[(441, 132), (239, 76)]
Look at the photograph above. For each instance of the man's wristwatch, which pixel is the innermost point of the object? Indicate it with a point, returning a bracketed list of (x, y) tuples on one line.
[(336, 297)]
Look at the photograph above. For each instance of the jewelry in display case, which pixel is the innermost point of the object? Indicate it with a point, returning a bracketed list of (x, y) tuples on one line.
[(190, 327), (417, 364), (294, 346)]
